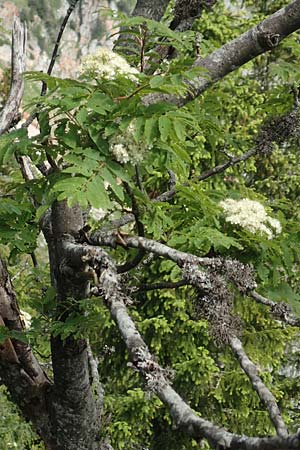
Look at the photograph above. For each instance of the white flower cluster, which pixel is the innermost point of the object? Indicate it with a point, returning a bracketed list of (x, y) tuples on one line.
[(125, 148), (106, 64), (250, 215), (120, 152)]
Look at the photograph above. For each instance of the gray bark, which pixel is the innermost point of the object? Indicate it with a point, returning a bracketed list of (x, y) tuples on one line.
[(75, 407), (259, 39), (11, 108), (263, 392), (185, 13), (157, 377), (154, 9)]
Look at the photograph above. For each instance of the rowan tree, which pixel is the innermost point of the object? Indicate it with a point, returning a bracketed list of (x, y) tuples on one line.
[(163, 316)]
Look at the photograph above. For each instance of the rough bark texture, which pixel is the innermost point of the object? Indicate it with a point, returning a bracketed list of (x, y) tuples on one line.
[(185, 13), (11, 108), (263, 392), (28, 385), (67, 414), (157, 377), (75, 407), (263, 37), (151, 10)]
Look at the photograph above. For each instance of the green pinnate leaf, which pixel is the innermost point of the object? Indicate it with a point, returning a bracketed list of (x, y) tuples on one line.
[(165, 127)]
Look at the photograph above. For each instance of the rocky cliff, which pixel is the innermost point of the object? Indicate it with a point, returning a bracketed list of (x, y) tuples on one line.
[(86, 30)]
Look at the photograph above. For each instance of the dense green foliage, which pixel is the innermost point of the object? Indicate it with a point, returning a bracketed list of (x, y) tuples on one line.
[(82, 121)]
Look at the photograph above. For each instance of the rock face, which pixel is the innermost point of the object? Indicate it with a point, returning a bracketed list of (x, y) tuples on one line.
[(86, 31)]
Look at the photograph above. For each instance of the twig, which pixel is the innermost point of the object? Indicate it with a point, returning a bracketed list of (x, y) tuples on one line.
[(162, 285), (10, 111), (263, 392), (34, 260), (168, 195), (129, 265), (53, 58), (138, 178), (134, 262), (58, 39), (232, 161)]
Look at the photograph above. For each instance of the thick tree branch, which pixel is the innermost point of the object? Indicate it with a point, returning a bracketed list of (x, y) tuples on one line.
[(157, 377), (279, 310), (215, 304), (186, 12), (154, 9), (263, 392), (259, 39), (19, 370), (10, 112), (149, 245), (162, 285)]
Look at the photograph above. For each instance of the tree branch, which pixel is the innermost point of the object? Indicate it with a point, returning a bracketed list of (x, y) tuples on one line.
[(232, 162), (51, 65), (149, 245), (20, 371), (162, 285), (237, 272), (263, 392), (280, 310), (150, 9), (58, 39), (186, 12), (259, 39), (10, 111), (157, 377)]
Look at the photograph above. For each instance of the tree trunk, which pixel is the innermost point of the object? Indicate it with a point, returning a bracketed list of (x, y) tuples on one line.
[(75, 406)]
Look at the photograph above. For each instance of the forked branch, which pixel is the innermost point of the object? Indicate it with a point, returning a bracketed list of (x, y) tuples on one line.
[(157, 377), (279, 310)]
